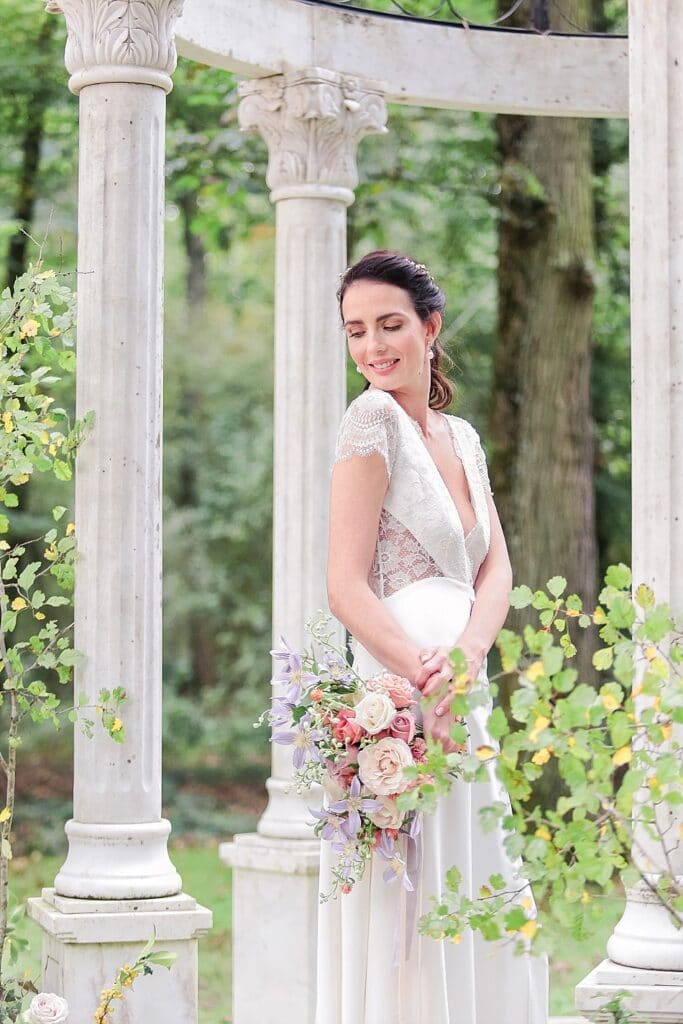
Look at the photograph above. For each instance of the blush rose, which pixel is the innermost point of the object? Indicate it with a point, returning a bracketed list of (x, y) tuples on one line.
[(47, 1008), (396, 688), (380, 766), (388, 815), (403, 726)]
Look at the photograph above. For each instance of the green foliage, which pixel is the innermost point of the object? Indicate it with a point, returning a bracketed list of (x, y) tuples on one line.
[(36, 574), (618, 756)]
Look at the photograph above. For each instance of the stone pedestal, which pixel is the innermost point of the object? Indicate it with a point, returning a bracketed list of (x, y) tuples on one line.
[(312, 121), (86, 942), (646, 950)]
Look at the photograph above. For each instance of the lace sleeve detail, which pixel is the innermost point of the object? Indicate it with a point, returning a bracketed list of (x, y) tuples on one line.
[(369, 426), (481, 462)]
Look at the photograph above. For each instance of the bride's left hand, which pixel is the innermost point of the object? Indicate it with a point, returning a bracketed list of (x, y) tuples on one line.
[(437, 661)]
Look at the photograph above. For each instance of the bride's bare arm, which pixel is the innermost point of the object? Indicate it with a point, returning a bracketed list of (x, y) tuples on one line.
[(358, 488)]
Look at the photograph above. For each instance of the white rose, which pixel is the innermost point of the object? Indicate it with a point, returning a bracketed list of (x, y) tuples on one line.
[(388, 815), (380, 766), (47, 1008), (375, 712)]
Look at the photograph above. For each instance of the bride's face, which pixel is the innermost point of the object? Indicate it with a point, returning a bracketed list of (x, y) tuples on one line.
[(386, 337)]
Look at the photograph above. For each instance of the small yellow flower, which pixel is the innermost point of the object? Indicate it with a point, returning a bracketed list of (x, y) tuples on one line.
[(534, 671), (585, 897), (539, 725), (117, 726), (530, 928), (5, 814), (543, 833), (70, 527), (39, 615), (571, 742), (541, 756), (18, 603)]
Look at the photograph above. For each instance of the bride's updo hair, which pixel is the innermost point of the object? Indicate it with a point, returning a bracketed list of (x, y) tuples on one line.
[(403, 271)]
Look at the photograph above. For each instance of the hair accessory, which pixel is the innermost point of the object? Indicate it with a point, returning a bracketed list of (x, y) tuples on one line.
[(358, 369)]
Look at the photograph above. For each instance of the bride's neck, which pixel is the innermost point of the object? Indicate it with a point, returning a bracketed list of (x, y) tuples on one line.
[(416, 404)]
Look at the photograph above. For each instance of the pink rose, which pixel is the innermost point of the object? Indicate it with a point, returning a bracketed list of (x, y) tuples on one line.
[(380, 766), (396, 688), (419, 749), (346, 729), (403, 726), (47, 1008)]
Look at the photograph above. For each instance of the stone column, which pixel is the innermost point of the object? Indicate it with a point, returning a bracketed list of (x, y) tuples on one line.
[(312, 121), (118, 875), (646, 950)]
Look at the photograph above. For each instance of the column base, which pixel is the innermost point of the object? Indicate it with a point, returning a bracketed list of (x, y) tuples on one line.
[(85, 942), (646, 936), (274, 927), (287, 815), (118, 862), (654, 997)]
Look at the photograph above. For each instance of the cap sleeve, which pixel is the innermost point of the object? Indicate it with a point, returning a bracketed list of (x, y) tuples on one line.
[(480, 458), (369, 427)]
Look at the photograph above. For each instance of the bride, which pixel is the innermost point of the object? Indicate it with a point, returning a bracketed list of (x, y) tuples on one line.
[(417, 563)]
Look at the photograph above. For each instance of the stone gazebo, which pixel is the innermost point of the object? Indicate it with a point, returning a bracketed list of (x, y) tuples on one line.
[(308, 93)]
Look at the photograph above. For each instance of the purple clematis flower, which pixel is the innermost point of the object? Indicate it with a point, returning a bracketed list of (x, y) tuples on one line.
[(396, 866), (303, 739), (354, 804), (334, 828)]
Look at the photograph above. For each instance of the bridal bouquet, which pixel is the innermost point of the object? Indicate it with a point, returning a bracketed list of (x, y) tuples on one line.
[(356, 738)]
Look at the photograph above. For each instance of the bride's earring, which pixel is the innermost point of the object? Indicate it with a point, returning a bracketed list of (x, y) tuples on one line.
[(431, 353), (358, 369)]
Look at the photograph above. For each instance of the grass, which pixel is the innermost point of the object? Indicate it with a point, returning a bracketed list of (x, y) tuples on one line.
[(209, 882)]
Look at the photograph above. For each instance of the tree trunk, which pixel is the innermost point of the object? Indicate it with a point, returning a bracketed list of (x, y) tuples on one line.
[(540, 422), (26, 190)]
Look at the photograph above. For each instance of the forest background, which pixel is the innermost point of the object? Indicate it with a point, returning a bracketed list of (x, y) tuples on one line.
[(524, 223)]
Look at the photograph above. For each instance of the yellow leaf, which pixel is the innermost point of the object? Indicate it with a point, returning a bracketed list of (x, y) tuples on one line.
[(621, 756), (457, 939), (543, 833), (484, 892), (55, 332), (650, 653), (117, 725), (52, 449), (45, 274), (70, 527), (6, 814), (609, 701), (7, 420), (602, 830), (527, 903), (541, 756), (667, 729), (534, 671), (585, 897), (18, 603), (539, 725), (599, 616), (571, 742), (462, 683), (653, 782), (485, 753), (529, 929), (571, 613), (44, 437), (39, 615), (29, 329)]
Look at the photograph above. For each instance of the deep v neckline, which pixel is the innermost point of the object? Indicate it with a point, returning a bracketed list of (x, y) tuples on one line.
[(455, 445)]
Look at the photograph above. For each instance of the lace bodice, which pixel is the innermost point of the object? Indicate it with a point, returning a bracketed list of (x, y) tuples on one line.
[(420, 534)]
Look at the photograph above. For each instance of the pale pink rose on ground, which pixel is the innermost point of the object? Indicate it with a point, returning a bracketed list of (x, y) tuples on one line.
[(388, 815), (375, 712), (47, 1008), (403, 726), (396, 687), (381, 765)]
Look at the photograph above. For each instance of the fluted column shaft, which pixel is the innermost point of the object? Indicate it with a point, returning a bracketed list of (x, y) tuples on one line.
[(312, 121), (120, 56)]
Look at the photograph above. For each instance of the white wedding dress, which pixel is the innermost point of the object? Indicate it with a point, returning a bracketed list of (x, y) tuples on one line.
[(373, 966)]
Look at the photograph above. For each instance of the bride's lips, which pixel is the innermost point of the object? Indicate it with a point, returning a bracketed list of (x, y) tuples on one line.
[(383, 366)]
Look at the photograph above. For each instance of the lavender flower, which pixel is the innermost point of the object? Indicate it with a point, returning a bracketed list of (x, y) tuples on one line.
[(396, 867), (333, 830), (354, 804), (303, 739)]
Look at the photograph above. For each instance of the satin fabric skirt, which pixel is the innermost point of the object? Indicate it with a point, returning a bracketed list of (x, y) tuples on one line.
[(373, 966)]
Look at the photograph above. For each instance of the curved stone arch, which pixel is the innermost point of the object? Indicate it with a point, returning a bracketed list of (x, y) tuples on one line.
[(424, 63)]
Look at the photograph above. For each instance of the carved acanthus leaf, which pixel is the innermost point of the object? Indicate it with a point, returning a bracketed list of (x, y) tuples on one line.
[(312, 125), (119, 32)]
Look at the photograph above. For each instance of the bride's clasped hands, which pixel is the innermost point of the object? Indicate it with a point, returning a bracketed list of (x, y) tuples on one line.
[(435, 684)]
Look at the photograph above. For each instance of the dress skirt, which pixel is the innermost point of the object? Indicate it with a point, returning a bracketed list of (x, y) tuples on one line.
[(373, 966)]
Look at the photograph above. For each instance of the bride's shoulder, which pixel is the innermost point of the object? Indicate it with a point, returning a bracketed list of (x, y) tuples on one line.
[(372, 406), (370, 424)]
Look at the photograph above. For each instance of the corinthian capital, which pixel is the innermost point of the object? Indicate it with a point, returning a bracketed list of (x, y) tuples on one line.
[(312, 121), (119, 40)]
